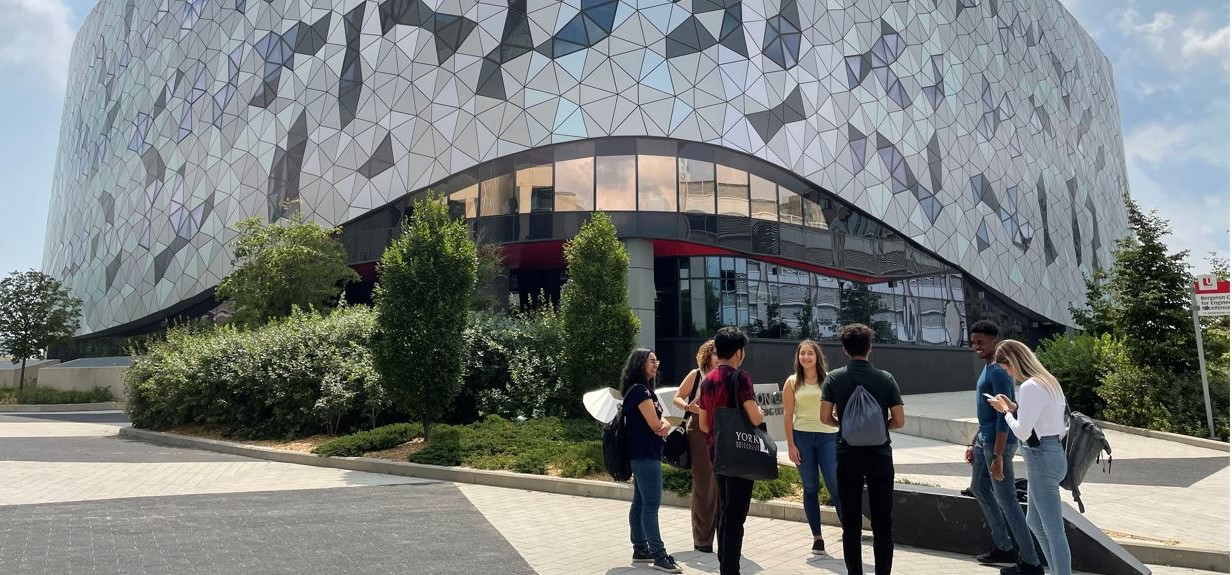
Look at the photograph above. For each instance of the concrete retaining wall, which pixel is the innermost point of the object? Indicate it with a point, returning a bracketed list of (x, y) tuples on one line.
[(85, 379), (11, 372)]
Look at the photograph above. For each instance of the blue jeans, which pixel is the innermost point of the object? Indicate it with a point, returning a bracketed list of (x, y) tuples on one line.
[(644, 512), (817, 452), (1045, 469), (999, 501)]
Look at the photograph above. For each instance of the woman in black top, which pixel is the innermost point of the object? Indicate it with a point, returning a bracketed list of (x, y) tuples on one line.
[(645, 429)]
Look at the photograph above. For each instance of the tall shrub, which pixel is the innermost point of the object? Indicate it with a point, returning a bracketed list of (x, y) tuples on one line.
[(599, 326), (427, 281)]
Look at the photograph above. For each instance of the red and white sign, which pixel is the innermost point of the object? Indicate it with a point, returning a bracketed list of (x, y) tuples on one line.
[(1212, 296)]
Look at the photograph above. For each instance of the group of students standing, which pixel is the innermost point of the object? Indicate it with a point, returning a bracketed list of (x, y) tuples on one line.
[(814, 401)]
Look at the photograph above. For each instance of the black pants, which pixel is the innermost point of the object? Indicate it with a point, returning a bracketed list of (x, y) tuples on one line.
[(855, 467), (734, 497)]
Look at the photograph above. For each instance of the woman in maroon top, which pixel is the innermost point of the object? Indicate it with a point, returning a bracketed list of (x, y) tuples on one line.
[(734, 493)]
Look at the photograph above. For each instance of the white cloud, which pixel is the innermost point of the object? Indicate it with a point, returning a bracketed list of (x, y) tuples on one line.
[(1160, 142), (1155, 32), (1196, 44), (1176, 46), (36, 36), (1199, 222)]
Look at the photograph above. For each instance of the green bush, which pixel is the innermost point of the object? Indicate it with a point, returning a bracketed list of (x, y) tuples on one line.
[(1079, 363), (443, 449), (35, 395), (356, 444), (513, 368), (786, 484), (678, 481), (292, 377)]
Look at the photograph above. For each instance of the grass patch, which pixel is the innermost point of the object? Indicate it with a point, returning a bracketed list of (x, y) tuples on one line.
[(378, 439), (34, 395), (548, 446)]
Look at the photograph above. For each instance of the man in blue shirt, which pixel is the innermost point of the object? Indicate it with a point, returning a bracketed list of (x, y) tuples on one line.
[(991, 456)]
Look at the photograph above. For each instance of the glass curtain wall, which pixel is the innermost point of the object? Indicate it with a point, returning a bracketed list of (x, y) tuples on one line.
[(779, 302)]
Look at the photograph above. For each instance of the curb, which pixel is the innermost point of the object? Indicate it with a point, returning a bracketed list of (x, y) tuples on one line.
[(62, 407), (1187, 557), (1164, 435)]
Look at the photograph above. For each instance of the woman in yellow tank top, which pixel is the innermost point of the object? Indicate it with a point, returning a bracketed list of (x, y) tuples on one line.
[(810, 443)]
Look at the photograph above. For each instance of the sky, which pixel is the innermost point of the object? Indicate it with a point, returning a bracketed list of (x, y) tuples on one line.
[(1170, 61)]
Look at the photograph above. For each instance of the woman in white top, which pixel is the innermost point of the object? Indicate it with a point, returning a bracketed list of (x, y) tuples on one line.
[(1038, 419)]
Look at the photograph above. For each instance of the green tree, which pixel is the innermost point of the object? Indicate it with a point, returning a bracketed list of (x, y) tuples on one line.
[(488, 276), (283, 265), (599, 326), (36, 310), (427, 282), (1149, 290), (1098, 317), (1081, 363)]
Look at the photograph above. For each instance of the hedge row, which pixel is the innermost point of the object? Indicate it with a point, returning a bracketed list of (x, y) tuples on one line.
[(289, 378)]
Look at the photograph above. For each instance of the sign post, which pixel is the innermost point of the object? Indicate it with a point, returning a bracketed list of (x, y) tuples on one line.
[(1210, 298)]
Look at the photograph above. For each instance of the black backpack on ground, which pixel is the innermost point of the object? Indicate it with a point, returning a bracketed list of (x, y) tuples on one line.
[(615, 452)]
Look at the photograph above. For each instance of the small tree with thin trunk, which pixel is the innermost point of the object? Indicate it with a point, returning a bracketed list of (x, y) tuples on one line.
[(427, 282), (280, 266), (600, 328), (36, 310)]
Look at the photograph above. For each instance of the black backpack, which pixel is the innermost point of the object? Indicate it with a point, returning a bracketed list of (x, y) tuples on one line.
[(615, 453)]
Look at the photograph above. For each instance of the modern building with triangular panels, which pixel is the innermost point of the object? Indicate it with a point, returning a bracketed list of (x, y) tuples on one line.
[(780, 165)]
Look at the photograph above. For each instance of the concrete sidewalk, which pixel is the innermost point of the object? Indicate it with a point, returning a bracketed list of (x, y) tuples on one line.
[(1158, 491)]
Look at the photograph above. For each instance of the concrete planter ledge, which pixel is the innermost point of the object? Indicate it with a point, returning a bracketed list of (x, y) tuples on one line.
[(62, 407), (1164, 435), (1193, 558), (960, 432)]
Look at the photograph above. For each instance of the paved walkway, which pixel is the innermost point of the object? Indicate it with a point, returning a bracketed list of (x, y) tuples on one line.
[(1158, 490), (76, 498)]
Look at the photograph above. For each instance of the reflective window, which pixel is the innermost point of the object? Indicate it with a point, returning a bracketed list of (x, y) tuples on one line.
[(764, 199), (696, 186), (496, 196), (575, 185), (535, 192), (733, 191), (780, 302), (616, 183), (465, 202), (813, 216), (791, 209), (656, 183)]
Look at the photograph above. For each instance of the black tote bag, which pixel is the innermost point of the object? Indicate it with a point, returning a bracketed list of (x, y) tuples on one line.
[(740, 448)]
